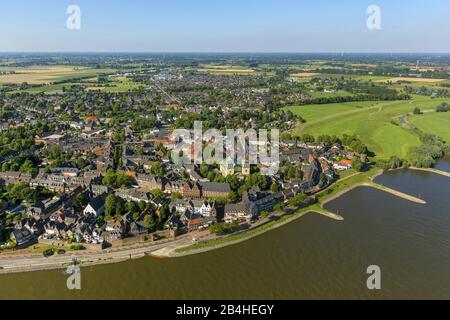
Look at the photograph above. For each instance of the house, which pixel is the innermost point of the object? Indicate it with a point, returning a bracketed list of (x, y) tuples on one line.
[(244, 210), (118, 227), (214, 189), (343, 165), (291, 155), (66, 172), (191, 190), (138, 228), (150, 182), (194, 221), (42, 210), (268, 202), (135, 195), (173, 223), (96, 207), (97, 190), (248, 209), (21, 236), (203, 208)]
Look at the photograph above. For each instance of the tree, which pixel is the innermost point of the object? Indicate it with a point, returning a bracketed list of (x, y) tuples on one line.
[(110, 205), (233, 196), (176, 196), (357, 164), (393, 163), (157, 169), (81, 200), (157, 193), (297, 200), (417, 111), (149, 221), (116, 180), (274, 187), (307, 138)]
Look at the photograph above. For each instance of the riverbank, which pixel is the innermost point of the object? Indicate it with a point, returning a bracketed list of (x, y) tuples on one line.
[(183, 247), (37, 262), (179, 251), (432, 170)]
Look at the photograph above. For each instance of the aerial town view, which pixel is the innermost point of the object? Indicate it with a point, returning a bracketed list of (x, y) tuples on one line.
[(215, 160)]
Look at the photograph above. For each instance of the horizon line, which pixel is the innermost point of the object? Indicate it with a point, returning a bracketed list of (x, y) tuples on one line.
[(224, 52)]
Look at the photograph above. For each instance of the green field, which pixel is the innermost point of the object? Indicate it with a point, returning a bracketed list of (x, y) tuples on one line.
[(354, 77), (317, 112), (376, 123), (330, 94), (48, 74), (115, 86), (437, 123)]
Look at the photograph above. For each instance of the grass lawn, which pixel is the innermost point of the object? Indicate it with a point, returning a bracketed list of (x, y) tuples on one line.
[(371, 121), (40, 248), (437, 123)]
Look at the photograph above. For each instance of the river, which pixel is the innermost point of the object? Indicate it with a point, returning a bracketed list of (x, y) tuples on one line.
[(312, 258)]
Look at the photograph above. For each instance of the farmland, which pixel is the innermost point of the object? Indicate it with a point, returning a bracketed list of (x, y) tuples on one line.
[(47, 74), (114, 85), (213, 69), (410, 79)]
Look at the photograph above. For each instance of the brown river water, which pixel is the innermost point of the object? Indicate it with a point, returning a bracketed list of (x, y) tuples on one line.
[(312, 258)]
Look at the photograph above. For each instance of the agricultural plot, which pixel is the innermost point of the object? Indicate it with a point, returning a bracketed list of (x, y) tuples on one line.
[(410, 79), (48, 74), (115, 86), (226, 69), (304, 74)]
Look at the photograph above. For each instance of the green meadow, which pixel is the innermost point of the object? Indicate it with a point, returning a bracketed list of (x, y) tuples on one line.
[(315, 112), (115, 86), (437, 123), (376, 123)]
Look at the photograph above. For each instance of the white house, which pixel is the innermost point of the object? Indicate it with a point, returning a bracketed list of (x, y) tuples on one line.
[(96, 207)]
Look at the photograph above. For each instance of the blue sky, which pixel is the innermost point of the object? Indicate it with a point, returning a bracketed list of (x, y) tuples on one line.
[(225, 26)]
